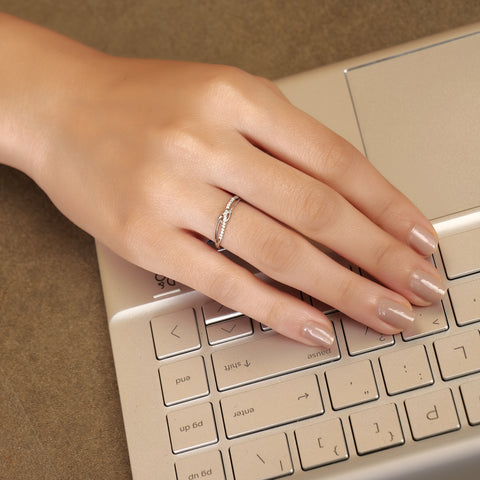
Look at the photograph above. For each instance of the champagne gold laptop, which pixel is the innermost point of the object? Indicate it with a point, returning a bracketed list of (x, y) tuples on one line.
[(210, 394)]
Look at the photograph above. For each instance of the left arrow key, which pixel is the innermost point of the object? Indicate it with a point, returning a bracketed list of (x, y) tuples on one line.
[(175, 333)]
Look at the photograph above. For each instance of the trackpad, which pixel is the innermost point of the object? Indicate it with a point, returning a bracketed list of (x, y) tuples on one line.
[(418, 114)]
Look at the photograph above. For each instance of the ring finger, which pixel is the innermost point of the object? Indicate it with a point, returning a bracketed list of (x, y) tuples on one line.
[(322, 214), (286, 256)]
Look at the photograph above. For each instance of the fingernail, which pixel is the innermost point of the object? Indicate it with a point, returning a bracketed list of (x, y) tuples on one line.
[(315, 333), (422, 240), (427, 286), (395, 314)]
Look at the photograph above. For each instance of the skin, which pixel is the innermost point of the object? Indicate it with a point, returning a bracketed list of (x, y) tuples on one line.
[(145, 154)]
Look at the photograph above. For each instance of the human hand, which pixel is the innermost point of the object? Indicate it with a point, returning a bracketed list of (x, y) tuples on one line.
[(145, 155)]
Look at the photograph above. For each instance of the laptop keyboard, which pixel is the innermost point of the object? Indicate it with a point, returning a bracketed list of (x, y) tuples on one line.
[(243, 402)]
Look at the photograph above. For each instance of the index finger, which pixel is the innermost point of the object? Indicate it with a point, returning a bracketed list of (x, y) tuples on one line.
[(298, 139)]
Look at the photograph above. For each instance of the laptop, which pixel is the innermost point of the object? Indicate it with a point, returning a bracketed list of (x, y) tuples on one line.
[(208, 393)]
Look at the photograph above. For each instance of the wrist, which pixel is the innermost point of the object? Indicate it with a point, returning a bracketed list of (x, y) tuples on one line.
[(42, 76)]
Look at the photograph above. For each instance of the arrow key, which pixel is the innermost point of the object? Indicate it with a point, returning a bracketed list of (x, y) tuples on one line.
[(215, 312), (229, 330), (175, 333)]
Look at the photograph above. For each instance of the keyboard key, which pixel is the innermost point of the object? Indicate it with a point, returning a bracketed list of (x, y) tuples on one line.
[(376, 429), (262, 459), (460, 253), (465, 298), (183, 380), (362, 339), (192, 427), (175, 333), (229, 330), (471, 399), (432, 414), (459, 354), (428, 320), (273, 405), (270, 356), (406, 369), (215, 312), (321, 444), (206, 465), (351, 385)]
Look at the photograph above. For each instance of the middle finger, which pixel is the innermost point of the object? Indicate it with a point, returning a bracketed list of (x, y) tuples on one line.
[(288, 257), (323, 215)]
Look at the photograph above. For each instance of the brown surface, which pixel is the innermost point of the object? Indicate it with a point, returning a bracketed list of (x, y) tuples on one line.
[(59, 410)]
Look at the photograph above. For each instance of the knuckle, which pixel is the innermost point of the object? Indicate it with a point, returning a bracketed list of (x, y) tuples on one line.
[(275, 315), (179, 141), (316, 208), (336, 159), (277, 250), (391, 212), (231, 88), (226, 82), (385, 254), (222, 286), (346, 291), (268, 84)]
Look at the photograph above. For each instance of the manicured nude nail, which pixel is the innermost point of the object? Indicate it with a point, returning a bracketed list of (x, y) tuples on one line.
[(395, 314), (427, 286), (315, 333), (422, 240)]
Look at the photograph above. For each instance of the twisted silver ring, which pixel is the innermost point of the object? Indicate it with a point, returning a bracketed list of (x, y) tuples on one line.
[(223, 220)]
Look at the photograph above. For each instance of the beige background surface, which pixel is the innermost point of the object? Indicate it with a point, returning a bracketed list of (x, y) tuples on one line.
[(59, 409)]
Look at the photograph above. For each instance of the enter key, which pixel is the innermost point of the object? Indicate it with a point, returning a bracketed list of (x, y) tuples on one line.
[(272, 405)]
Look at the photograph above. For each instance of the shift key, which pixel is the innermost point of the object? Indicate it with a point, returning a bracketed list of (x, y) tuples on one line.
[(268, 357)]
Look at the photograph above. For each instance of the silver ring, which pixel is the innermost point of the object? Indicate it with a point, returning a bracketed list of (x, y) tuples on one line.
[(223, 220)]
